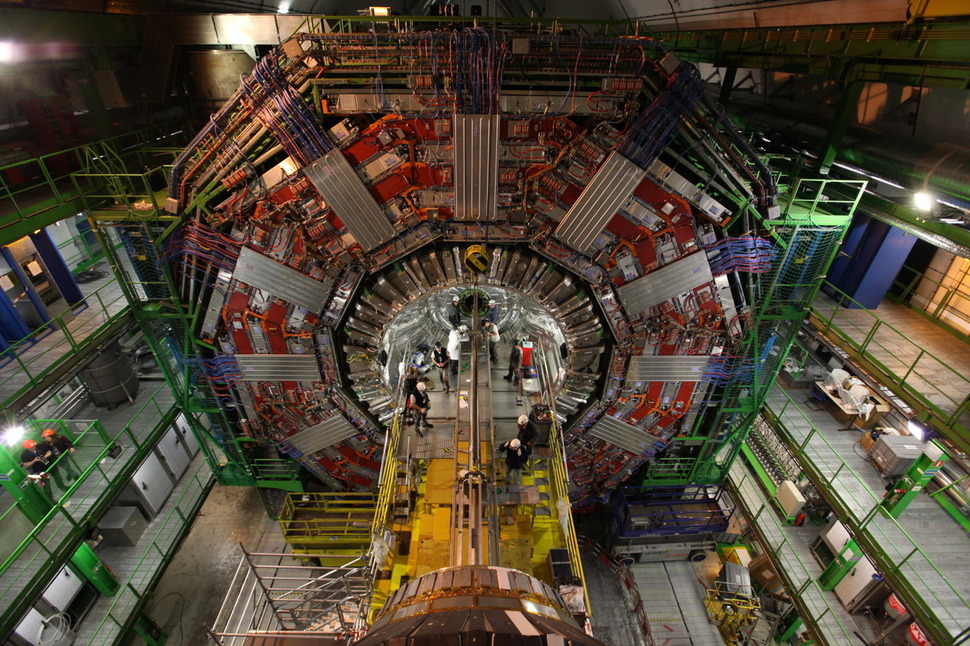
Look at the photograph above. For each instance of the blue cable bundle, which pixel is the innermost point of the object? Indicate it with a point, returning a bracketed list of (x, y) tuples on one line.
[(222, 368), (196, 240), (654, 129), (721, 370), (747, 254), (291, 121)]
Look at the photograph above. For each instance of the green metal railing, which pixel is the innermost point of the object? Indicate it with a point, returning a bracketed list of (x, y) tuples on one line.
[(817, 608), (338, 520), (947, 300), (938, 392), (134, 242), (928, 591), (137, 588), (78, 253), (52, 541), (820, 201), (30, 365), (31, 188)]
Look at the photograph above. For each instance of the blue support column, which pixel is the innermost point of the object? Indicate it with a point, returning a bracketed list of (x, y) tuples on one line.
[(57, 269), (12, 327), (870, 259), (29, 305)]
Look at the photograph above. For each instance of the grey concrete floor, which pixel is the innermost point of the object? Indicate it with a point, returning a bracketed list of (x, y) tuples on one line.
[(191, 591), (613, 622)]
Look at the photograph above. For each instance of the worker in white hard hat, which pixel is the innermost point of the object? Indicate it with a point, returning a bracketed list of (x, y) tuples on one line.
[(515, 456), (492, 314), (419, 402), (527, 433)]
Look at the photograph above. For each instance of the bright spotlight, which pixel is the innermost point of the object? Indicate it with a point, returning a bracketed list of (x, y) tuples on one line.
[(284, 7), (12, 435), (916, 430), (924, 201), (8, 51)]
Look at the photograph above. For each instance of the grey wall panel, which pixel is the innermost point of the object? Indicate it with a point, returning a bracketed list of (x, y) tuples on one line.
[(277, 367), (281, 281), (476, 166), (621, 434), (609, 189), (319, 436), (666, 368), (342, 187), (672, 280)]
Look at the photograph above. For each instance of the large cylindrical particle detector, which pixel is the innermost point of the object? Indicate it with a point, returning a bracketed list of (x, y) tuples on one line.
[(476, 604)]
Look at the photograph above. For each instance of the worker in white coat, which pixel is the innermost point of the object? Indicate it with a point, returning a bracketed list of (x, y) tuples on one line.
[(454, 352)]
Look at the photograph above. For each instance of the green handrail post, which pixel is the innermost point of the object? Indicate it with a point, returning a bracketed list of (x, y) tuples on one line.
[(870, 335), (912, 366)]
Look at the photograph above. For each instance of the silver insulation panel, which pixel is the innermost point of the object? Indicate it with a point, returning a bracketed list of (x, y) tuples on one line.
[(278, 367), (319, 436), (213, 312), (667, 282), (666, 368), (342, 187), (609, 189), (281, 281), (629, 438), (476, 166)]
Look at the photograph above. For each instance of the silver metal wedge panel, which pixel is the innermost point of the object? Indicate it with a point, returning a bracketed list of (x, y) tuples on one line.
[(629, 438), (277, 367), (281, 281), (319, 436), (667, 282), (341, 186), (609, 189), (666, 368), (476, 166)]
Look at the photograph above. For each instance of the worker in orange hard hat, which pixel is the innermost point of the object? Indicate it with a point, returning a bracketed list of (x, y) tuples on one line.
[(35, 459), (61, 445)]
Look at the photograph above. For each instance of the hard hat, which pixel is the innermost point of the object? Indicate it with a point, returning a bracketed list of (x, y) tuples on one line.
[(454, 299), (491, 302), (523, 419), (514, 443), (47, 432), (421, 386), (29, 444), (462, 328)]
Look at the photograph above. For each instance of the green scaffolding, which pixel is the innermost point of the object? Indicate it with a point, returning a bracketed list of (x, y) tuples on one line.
[(807, 234)]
